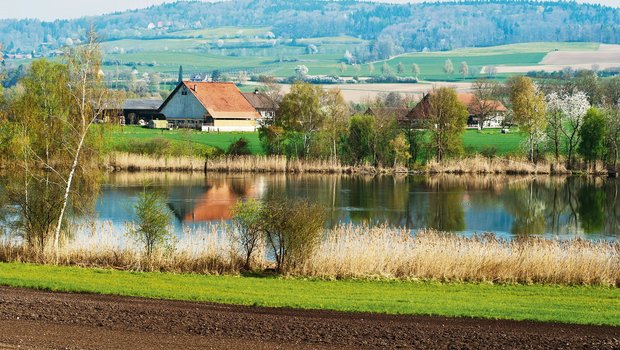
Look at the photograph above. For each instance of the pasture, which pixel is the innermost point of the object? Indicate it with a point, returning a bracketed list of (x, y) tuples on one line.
[(122, 139)]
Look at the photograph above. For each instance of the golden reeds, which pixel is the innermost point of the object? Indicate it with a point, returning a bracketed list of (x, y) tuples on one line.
[(237, 164), (483, 165), (358, 252)]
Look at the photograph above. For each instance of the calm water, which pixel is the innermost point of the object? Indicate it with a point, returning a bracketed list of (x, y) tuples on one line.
[(507, 206)]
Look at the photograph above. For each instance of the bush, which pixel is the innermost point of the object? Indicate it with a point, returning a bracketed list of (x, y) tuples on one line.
[(239, 148), (247, 220), (293, 230), (488, 151), (153, 217)]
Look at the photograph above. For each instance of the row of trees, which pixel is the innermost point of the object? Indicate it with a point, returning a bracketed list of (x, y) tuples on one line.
[(566, 120), (318, 124)]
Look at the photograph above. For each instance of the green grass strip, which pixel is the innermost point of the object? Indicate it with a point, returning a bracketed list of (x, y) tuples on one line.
[(567, 304)]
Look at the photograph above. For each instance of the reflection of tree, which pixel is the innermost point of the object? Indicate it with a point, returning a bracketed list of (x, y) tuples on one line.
[(612, 207), (445, 210), (527, 209), (591, 207)]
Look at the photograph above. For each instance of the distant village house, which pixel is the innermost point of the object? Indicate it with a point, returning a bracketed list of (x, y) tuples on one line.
[(263, 105)]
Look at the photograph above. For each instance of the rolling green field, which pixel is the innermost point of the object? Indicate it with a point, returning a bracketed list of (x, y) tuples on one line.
[(582, 305), (119, 138), (250, 49)]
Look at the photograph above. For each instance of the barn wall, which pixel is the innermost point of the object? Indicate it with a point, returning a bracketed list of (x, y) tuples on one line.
[(184, 107)]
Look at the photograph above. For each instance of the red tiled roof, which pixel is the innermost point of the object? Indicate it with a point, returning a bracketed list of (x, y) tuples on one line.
[(222, 100)]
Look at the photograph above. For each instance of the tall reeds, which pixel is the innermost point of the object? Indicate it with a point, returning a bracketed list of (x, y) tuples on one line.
[(357, 252), (236, 164)]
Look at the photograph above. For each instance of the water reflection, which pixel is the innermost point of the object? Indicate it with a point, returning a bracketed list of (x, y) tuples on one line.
[(509, 206)]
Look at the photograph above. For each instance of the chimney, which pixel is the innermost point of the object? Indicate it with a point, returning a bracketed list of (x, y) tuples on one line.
[(194, 87)]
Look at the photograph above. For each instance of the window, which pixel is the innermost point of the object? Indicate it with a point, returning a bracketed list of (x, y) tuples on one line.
[(184, 91)]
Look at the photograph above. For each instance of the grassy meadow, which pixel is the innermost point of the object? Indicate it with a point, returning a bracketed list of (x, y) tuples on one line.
[(120, 139), (581, 305)]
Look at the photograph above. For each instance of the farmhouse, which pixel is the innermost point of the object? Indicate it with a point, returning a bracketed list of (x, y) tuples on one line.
[(263, 105), (492, 111), (209, 107), (399, 113)]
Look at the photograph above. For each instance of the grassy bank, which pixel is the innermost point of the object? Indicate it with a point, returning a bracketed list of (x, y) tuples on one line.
[(582, 305), (184, 142)]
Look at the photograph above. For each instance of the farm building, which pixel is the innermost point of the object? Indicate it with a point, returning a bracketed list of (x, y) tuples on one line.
[(135, 110), (263, 105), (158, 124), (494, 110), (210, 107), (400, 113)]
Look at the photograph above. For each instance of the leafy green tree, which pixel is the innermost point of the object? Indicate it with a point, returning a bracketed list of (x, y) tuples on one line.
[(293, 230), (361, 139), (447, 118), (336, 120), (591, 146), (612, 136), (400, 147), (153, 218), (247, 217), (300, 111), (529, 110), (400, 68)]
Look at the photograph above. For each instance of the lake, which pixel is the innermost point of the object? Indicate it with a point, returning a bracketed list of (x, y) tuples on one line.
[(508, 206)]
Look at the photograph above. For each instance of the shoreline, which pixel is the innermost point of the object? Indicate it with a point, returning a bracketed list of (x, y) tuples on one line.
[(476, 165)]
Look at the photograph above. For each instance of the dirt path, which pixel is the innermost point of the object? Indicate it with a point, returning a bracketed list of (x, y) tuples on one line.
[(41, 320)]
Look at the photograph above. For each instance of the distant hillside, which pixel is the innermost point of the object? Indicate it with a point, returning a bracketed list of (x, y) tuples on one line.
[(387, 29)]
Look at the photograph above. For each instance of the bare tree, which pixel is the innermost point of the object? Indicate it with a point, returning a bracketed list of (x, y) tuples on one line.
[(486, 102)]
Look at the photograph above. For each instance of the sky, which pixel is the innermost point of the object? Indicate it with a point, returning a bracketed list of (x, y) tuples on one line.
[(62, 9)]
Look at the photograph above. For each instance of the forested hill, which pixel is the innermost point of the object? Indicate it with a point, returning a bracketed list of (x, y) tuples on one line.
[(433, 26)]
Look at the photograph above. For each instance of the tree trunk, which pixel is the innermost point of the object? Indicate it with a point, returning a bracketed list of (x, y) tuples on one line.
[(66, 196)]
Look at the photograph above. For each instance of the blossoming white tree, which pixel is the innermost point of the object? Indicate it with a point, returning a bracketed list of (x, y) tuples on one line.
[(566, 113)]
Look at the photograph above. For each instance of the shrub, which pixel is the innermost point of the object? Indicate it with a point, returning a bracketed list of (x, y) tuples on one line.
[(488, 151), (293, 230), (247, 220), (239, 148), (153, 217)]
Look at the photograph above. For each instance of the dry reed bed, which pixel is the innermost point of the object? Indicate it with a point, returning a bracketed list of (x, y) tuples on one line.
[(358, 252), (483, 165), (238, 164)]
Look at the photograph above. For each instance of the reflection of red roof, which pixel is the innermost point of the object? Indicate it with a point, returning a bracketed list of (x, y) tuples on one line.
[(222, 100), (216, 204)]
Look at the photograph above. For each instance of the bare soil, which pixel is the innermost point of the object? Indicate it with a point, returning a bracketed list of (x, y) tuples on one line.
[(41, 320)]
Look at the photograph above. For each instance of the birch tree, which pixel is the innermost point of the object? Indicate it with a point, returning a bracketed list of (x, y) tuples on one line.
[(88, 95)]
